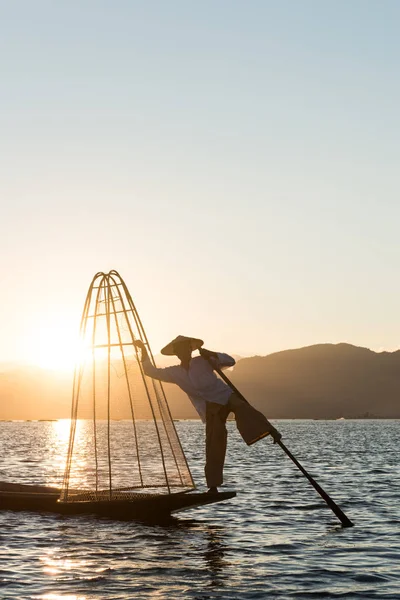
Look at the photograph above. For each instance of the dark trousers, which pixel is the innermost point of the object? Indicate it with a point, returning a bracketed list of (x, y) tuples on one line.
[(251, 424)]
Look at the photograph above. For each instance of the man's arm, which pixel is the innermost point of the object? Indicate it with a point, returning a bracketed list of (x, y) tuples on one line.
[(149, 369)]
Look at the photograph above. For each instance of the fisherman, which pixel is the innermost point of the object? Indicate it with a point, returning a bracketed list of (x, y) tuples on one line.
[(212, 399)]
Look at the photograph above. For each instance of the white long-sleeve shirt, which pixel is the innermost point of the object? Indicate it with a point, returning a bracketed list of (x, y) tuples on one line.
[(199, 382)]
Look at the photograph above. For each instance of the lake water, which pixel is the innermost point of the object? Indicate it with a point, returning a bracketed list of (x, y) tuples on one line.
[(277, 539)]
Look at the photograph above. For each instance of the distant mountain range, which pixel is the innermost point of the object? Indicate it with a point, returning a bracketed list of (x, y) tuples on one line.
[(324, 381)]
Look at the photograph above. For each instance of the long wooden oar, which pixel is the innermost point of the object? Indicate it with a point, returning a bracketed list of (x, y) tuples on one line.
[(332, 505)]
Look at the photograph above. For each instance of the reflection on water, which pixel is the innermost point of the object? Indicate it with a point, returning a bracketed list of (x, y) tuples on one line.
[(214, 554), (61, 430), (54, 565), (275, 540), (58, 597)]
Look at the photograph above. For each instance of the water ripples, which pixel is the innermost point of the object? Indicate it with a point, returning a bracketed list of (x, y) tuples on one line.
[(277, 539)]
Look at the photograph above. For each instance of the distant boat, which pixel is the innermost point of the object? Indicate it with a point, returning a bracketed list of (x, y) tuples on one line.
[(140, 474)]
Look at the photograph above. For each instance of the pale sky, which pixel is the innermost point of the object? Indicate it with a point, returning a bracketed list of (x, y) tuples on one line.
[(236, 162)]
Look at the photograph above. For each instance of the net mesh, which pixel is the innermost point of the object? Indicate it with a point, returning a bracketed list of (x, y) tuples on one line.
[(123, 440)]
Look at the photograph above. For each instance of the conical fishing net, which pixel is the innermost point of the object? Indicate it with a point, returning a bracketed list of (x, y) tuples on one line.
[(123, 440)]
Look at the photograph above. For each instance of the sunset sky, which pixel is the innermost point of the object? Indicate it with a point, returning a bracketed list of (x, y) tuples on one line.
[(237, 162)]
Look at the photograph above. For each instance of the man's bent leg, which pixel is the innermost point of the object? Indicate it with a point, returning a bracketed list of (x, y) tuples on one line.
[(251, 423), (216, 438)]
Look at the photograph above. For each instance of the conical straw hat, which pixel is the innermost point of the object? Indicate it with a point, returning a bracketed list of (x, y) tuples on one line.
[(195, 343)]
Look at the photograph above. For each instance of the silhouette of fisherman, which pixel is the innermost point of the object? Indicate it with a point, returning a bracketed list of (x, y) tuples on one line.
[(212, 399)]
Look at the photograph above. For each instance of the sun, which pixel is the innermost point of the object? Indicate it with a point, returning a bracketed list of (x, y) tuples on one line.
[(55, 345), (57, 349)]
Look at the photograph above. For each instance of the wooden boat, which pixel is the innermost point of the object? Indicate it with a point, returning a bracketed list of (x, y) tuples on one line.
[(18, 497), (125, 459)]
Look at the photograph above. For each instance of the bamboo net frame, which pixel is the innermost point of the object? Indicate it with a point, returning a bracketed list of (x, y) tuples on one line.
[(123, 440)]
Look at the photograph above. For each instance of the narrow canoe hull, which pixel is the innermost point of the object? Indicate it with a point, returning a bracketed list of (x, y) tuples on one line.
[(149, 507)]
